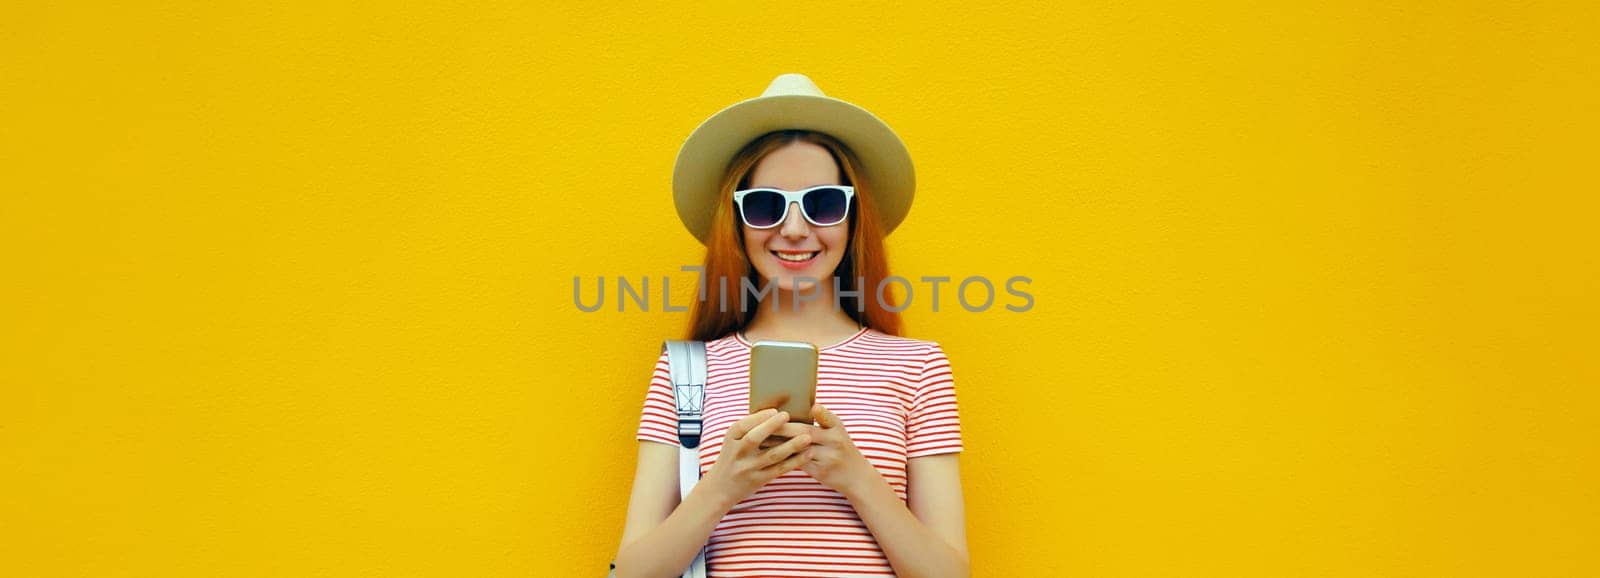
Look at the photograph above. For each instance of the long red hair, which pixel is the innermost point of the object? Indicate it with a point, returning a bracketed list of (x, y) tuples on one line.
[(727, 264)]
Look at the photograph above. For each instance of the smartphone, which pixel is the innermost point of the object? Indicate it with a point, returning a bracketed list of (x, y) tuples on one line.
[(783, 375)]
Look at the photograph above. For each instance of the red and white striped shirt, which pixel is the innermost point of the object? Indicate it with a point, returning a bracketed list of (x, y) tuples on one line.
[(897, 400)]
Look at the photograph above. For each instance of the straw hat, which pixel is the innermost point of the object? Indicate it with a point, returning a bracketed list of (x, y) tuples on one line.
[(792, 101)]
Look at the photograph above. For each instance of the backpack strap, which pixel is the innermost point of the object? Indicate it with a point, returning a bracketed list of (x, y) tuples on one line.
[(687, 363)]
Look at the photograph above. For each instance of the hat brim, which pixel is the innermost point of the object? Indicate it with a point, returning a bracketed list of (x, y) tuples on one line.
[(885, 162)]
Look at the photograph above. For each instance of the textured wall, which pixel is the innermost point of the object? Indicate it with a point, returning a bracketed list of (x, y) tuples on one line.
[(287, 287)]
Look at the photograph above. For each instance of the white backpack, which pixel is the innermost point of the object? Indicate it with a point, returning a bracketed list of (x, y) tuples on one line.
[(687, 362)]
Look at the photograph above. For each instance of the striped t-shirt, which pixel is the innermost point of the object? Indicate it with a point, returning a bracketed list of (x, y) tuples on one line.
[(897, 400)]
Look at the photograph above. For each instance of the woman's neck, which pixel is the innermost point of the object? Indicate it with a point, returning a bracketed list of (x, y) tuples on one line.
[(780, 316)]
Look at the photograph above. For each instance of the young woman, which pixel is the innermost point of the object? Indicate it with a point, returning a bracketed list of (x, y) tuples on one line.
[(793, 193)]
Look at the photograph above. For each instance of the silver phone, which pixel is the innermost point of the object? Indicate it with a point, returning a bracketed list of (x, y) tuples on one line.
[(783, 375)]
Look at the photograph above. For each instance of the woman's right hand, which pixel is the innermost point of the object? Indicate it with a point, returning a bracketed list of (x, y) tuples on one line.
[(744, 466)]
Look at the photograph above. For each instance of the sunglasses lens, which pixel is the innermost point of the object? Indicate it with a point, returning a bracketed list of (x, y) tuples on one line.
[(826, 206), (762, 208)]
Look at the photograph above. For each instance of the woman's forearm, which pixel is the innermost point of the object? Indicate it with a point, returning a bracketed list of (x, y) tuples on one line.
[(913, 549), (667, 549)]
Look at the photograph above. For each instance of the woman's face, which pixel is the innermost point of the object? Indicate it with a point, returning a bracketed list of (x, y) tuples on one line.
[(811, 251)]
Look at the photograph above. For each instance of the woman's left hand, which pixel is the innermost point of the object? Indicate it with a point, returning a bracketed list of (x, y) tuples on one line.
[(835, 461)]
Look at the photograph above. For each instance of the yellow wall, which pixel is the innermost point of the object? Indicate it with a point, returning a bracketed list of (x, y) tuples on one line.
[(287, 288)]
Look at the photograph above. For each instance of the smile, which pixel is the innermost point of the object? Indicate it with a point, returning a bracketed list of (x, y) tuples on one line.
[(795, 259)]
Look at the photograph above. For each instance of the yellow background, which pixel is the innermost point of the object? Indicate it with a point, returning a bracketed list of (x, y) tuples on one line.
[(287, 287)]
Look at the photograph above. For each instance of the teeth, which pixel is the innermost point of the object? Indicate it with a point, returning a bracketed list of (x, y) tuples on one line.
[(796, 256)]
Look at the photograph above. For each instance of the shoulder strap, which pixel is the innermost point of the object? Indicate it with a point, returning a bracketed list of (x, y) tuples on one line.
[(687, 362)]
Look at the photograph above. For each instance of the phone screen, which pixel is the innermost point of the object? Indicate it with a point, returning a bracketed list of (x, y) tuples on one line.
[(783, 375)]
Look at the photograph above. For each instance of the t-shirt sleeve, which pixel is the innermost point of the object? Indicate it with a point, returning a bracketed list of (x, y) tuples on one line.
[(658, 422), (934, 424)]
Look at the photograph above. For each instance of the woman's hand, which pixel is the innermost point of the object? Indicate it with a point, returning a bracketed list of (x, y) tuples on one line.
[(744, 466), (835, 461)]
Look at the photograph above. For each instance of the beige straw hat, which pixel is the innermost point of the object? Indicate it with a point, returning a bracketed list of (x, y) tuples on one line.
[(792, 101)]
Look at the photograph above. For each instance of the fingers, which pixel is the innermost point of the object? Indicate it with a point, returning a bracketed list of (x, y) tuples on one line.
[(765, 428), (797, 445), (790, 429), (794, 461), (825, 418), (785, 433), (742, 427)]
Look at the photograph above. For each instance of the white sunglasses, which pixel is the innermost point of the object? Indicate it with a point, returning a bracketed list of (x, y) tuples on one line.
[(822, 205)]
